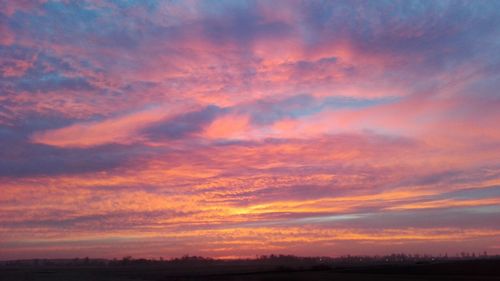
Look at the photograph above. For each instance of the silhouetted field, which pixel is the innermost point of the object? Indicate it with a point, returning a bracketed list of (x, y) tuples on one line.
[(252, 270)]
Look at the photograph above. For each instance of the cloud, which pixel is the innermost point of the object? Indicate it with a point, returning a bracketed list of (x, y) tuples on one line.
[(242, 127), (25, 160), (183, 125), (228, 127), (120, 129)]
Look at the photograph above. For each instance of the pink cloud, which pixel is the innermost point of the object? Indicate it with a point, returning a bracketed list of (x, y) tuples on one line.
[(123, 129)]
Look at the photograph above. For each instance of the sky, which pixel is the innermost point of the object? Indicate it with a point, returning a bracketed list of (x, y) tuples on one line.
[(239, 128)]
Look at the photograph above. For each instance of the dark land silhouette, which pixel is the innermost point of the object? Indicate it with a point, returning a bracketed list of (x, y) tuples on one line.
[(273, 267)]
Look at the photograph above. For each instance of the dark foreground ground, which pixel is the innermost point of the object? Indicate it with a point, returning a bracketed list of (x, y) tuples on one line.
[(451, 270)]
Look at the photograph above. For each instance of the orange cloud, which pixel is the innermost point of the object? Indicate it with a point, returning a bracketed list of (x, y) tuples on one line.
[(229, 127)]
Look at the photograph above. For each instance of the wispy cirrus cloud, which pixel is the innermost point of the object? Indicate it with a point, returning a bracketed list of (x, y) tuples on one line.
[(121, 129)]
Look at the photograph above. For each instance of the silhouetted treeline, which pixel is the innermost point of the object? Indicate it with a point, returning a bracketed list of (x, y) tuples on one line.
[(278, 261)]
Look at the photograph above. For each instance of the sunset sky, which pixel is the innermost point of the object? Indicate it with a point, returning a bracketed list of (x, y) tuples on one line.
[(239, 128)]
